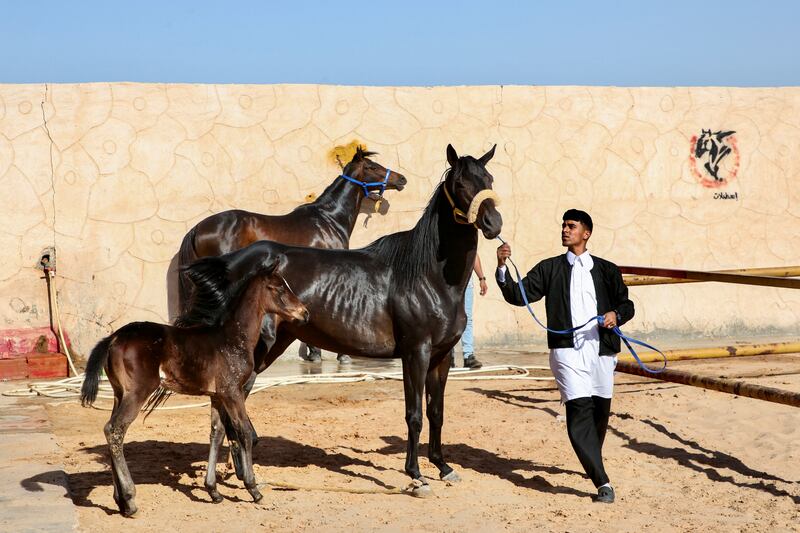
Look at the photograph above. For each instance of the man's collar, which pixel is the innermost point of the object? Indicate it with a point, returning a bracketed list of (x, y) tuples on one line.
[(586, 259)]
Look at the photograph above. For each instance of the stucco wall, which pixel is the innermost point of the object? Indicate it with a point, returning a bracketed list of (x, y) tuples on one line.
[(113, 175)]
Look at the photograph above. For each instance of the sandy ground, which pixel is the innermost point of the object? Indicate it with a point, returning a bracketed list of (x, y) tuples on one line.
[(681, 459)]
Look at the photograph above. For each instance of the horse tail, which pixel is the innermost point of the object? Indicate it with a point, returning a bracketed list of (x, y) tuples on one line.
[(159, 396), (186, 256), (91, 379)]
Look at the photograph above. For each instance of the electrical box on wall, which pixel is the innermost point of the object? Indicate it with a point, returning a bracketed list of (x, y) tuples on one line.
[(47, 259)]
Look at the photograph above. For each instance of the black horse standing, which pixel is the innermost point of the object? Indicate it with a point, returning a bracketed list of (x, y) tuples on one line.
[(400, 297)]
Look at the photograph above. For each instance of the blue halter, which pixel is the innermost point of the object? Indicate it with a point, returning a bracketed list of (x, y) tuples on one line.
[(365, 185), (599, 319)]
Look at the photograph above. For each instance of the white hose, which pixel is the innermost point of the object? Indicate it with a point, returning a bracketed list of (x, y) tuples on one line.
[(70, 388), (54, 304)]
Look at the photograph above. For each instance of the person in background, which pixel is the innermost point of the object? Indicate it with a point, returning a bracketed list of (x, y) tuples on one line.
[(467, 338)]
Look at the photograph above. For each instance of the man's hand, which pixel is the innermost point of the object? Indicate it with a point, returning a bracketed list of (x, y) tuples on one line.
[(610, 319), (484, 287), (503, 253)]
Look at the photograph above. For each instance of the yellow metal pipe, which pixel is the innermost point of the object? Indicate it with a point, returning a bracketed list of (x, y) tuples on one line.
[(740, 388), (744, 279), (777, 272), (712, 353)]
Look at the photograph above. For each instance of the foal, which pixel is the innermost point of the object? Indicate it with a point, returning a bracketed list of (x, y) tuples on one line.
[(209, 352)]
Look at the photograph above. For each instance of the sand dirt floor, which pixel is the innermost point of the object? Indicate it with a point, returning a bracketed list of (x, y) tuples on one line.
[(680, 458)]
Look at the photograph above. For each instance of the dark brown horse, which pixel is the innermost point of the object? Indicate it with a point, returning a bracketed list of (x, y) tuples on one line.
[(400, 297), (327, 222), (209, 352)]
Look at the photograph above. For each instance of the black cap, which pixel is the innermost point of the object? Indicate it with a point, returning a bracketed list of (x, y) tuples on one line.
[(578, 216)]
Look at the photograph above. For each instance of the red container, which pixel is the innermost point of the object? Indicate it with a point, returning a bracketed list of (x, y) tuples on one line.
[(16, 368), (47, 365)]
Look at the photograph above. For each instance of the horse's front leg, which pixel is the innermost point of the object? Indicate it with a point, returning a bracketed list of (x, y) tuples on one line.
[(435, 383), (217, 435), (269, 328), (234, 406), (415, 367), (230, 432)]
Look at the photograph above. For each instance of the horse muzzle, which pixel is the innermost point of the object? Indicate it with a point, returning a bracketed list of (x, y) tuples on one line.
[(301, 316), (397, 183), (489, 220)]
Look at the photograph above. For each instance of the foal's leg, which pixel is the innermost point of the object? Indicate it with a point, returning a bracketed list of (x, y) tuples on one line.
[(234, 405), (265, 342), (415, 366), (232, 441), (114, 478), (230, 432), (217, 434), (435, 383), (123, 415)]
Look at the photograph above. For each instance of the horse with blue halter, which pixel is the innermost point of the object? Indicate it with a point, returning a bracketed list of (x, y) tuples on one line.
[(400, 297), (327, 222)]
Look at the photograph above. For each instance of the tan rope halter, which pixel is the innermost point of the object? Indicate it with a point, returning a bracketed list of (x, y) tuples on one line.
[(471, 216)]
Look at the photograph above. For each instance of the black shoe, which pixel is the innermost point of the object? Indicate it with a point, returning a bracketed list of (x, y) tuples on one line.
[(344, 359), (472, 363), (605, 494), (309, 353)]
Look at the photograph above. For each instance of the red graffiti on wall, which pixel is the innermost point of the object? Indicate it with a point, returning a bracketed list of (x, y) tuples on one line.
[(714, 158)]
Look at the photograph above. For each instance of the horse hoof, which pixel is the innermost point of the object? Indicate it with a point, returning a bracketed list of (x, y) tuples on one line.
[(420, 489), (129, 511), (452, 477), (257, 496), (216, 497)]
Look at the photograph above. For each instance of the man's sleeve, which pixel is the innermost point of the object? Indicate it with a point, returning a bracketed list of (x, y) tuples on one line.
[(619, 296), (533, 283)]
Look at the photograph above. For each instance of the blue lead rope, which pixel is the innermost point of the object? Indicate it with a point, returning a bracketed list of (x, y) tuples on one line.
[(365, 185), (599, 318)]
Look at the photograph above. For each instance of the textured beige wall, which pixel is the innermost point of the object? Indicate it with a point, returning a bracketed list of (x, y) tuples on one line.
[(113, 175)]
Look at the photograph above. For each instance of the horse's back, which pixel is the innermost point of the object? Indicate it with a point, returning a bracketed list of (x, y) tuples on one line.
[(235, 229)]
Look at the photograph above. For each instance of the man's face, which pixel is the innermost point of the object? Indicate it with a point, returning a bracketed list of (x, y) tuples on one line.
[(573, 232)]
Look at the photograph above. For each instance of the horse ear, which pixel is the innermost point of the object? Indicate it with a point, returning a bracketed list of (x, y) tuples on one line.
[(485, 158), (272, 264), (452, 156), (359, 154)]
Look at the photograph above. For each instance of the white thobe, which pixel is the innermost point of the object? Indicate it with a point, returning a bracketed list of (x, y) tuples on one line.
[(581, 371)]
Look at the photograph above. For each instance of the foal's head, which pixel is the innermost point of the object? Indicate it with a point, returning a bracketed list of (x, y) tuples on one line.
[(469, 189), (220, 283), (373, 174), (277, 297)]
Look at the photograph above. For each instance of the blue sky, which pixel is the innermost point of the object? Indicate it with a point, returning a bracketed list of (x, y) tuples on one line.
[(409, 42)]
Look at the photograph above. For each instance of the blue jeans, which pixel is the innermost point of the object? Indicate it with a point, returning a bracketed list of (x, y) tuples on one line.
[(467, 339)]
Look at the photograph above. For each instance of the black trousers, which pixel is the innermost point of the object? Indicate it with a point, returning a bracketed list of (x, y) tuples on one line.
[(587, 422)]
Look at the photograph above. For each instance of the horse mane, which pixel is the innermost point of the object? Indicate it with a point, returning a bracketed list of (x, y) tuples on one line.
[(214, 292), (412, 253)]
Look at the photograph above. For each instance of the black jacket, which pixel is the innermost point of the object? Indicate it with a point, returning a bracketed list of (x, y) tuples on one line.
[(550, 280)]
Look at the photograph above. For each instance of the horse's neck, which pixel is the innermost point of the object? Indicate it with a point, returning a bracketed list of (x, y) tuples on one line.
[(244, 323), (458, 245), (339, 204), (450, 248)]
